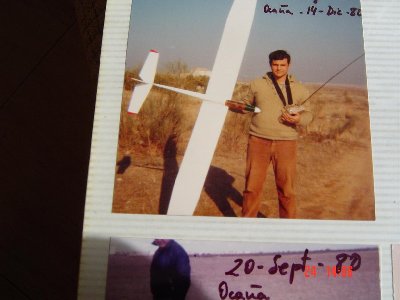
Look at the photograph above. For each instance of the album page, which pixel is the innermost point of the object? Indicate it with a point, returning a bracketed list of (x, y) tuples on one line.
[(244, 149)]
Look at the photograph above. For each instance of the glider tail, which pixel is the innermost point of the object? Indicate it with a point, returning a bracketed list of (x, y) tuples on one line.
[(145, 84)]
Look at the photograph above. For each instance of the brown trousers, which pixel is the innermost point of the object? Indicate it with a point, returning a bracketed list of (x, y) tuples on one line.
[(283, 156)]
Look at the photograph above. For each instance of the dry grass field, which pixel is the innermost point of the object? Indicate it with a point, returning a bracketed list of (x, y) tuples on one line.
[(129, 277), (334, 157)]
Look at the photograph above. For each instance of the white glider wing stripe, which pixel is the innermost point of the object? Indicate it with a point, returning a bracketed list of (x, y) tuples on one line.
[(139, 94), (146, 75), (231, 50), (149, 67), (201, 147), (182, 91)]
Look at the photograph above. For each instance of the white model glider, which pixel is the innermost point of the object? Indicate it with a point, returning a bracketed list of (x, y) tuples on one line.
[(194, 167)]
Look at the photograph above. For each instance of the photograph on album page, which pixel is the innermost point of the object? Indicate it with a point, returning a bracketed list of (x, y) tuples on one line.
[(245, 109), (189, 269)]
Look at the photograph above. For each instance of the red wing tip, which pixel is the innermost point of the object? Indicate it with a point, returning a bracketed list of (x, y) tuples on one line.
[(155, 51), (131, 113)]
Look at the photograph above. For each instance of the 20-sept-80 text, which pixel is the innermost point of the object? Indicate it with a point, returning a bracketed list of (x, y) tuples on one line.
[(346, 264)]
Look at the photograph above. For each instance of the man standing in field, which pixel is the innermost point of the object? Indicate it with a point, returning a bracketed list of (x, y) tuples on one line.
[(169, 271), (273, 136)]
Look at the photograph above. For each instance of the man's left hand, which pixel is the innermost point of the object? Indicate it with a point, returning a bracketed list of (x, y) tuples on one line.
[(290, 118)]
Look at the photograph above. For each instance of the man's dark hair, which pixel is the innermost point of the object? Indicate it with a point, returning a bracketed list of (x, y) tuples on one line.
[(279, 55)]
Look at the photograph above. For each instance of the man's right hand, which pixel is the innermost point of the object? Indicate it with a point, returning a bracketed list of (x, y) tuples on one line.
[(291, 118), (241, 107)]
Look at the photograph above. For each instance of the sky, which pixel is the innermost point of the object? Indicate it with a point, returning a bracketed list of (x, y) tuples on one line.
[(144, 247), (190, 31)]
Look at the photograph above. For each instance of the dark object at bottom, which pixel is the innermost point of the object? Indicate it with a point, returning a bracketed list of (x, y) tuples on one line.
[(170, 272)]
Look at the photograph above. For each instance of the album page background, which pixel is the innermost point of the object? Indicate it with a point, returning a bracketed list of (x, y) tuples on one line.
[(382, 41)]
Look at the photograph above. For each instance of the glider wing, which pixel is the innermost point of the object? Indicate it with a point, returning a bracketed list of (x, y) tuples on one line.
[(206, 132)]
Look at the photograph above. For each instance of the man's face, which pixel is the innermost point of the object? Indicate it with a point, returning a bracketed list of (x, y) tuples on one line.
[(280, 68)]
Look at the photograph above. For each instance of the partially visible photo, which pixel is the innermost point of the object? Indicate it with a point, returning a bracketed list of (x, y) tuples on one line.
[(162, 268)]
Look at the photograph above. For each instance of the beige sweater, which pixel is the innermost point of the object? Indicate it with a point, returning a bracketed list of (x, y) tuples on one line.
[(267, 124)]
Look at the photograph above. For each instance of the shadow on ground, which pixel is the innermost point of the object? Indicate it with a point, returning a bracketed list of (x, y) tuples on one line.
[(219, 186), (170, 172)]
